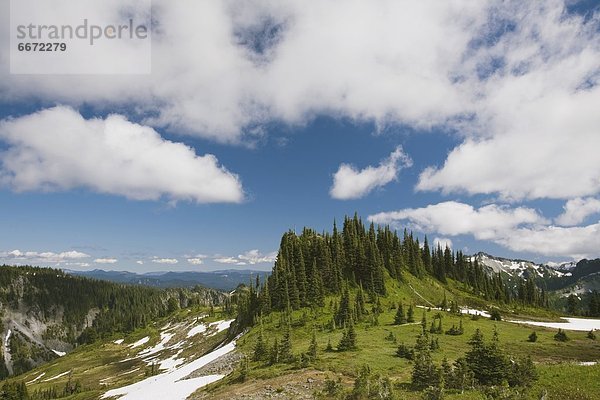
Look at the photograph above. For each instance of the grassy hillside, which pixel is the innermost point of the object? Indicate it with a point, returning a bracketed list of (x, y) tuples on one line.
[(45, 312), (116, 361), (557, 362)]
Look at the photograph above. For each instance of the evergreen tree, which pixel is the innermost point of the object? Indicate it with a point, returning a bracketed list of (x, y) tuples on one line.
[(274, 356), (462, 376), (400, 318), (261, 351), (359, 307), (348, 341), (425, 373), (345, 310), (313, 348), (522, 373), (410, 315), (487, 361), (285, 349)]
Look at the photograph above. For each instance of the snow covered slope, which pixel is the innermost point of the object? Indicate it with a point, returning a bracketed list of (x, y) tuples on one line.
[(521, 268)]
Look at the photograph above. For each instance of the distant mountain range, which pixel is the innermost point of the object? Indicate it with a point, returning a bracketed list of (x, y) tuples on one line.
[(223, 280), (578, 278)]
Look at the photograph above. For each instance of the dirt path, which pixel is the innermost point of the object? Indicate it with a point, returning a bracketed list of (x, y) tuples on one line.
[(299, 385), (419, 294)]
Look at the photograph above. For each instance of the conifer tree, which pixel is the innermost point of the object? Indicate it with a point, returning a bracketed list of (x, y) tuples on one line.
[(487, 361), (344, 311), (410, 315), (261, 350), (285, 349), (313, 348), (400, 318), (348, 341), (425, 373)]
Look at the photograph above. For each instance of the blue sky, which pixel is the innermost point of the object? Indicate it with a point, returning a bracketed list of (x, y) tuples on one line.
[(463, 127)]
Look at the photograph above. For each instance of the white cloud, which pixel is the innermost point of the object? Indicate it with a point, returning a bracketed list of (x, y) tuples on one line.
[(224, 87), (105, 260), (250, 257), (226, 260), (165, 261), (453, 218), (57, 149), (576, 242), (46, 257), (256, 257), (577, 210), (195, 261), (139, 262), (350, 183), (537, 125), (442, 242), (518, 80), (518, 229)]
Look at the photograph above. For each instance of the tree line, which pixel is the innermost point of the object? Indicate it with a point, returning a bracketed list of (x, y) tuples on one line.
[(312, 265)]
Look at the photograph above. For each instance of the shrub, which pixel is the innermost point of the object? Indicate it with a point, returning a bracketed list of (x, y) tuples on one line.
[(532, 337), (495, 315), (405, 351), (591, 335), (561, 336)]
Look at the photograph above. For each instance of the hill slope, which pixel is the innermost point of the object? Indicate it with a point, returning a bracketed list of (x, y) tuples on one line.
[(45, 313)]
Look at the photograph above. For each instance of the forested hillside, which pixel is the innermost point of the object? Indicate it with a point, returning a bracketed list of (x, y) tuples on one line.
[(391, 314), (312, 265), (46, 312)]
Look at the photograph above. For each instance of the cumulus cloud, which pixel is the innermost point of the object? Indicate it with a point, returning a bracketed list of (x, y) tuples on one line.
[(105, 260), (195, 261), (231, 76), (577, 210), (350, 183), (226, 260), (442, 242), (46, 257), (256, 257), (165, 261), (518, 80), (454, 218), (537, 125), (139, 262), (518, 229), (57, 149), (250, 257), (576, 242)]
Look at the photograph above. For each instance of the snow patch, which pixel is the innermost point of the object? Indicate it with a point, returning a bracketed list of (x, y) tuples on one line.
[(221, 325), (59, 353), (164, 339), (56, 377), (118, 341), (140, 342), (36, 378), (170, 384), (571, 324), (129, 372), (471, 311), (7, 337), (200, 328)]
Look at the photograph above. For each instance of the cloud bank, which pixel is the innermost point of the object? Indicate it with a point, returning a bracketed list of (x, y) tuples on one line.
[(518, 229)]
